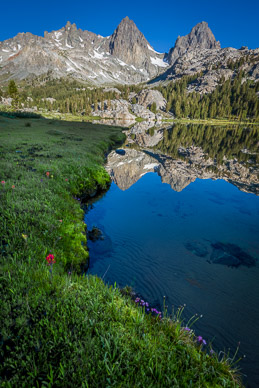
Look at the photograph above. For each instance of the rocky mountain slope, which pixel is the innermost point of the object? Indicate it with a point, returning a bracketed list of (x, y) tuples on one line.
[(200, 37), (200, 53), (125, 57)]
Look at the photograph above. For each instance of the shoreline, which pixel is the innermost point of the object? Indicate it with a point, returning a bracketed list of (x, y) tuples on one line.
[(78, 118), (54, 319)]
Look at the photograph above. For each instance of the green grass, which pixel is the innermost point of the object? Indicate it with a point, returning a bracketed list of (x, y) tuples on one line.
[(69, 330), (219, 121)]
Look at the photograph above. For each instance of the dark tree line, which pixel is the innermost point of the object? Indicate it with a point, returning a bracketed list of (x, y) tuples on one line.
[(233, 97), (216, 142)]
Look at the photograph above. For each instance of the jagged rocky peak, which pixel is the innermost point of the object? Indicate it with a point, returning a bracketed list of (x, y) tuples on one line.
[(200, 36), (70, 26), (128, 43), (68, 30), (71, 37)]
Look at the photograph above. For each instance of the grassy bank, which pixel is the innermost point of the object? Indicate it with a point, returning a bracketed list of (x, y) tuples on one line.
[(59, 328)]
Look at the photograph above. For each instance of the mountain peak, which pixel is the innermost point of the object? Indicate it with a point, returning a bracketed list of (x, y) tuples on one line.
[(127, 24), (200, 37), (204, 36), (68, 26), (127, 42), (125, 20)]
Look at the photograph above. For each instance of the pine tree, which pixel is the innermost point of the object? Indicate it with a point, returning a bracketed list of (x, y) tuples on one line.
[(12, 88)]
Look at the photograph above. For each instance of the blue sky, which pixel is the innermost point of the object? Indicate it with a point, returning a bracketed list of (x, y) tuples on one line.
[(234, 23)]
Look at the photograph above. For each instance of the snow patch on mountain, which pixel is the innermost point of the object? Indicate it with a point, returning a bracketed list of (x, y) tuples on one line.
[(158, 62), (121, 62), (57, 34), (67, 45), (97, 55), (151, 165)]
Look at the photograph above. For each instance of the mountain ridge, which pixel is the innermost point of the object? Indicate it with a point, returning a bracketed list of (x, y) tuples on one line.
[(124, 57)]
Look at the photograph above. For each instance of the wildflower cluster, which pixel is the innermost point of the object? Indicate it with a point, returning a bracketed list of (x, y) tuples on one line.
[(201, 341), (142, 303), (3, 184), (50, 259)]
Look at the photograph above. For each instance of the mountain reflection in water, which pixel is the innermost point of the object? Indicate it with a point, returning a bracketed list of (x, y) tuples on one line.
[(196, 244), (182, 153)]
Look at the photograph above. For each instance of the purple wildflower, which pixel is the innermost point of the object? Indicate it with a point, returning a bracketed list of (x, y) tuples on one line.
[(137, 300), (201, 340), (212, 351), (187, 328)]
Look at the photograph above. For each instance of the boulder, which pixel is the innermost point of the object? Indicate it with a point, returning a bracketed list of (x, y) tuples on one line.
[(148, 96), (141, 111)]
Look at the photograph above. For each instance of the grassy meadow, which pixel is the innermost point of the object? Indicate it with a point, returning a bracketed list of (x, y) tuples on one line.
[(60, 328)]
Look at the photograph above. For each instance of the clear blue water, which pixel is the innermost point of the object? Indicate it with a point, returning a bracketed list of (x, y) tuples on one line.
[(162, 242)]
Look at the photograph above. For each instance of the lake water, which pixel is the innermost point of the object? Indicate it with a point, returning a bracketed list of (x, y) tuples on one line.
[(181, 220)]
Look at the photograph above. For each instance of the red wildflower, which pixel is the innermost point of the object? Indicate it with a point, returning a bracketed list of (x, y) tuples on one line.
[(3, 183), (50, 259), (47, 173), (66, 179), (13, 187)]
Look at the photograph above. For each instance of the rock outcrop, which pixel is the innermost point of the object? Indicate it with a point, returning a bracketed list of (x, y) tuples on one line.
[(148, 96), (123, 110), (141, 111), (115, 109)]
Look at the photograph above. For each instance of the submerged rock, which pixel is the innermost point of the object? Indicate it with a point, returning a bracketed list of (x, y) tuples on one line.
[(231, 255), (94, 234), (197, 248)]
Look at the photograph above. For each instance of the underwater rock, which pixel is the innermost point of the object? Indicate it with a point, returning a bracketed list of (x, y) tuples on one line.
[(94, 234), (231, 255), (196, 248)]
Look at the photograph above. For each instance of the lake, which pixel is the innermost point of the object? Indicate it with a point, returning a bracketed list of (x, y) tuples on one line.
[(181, 220)]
